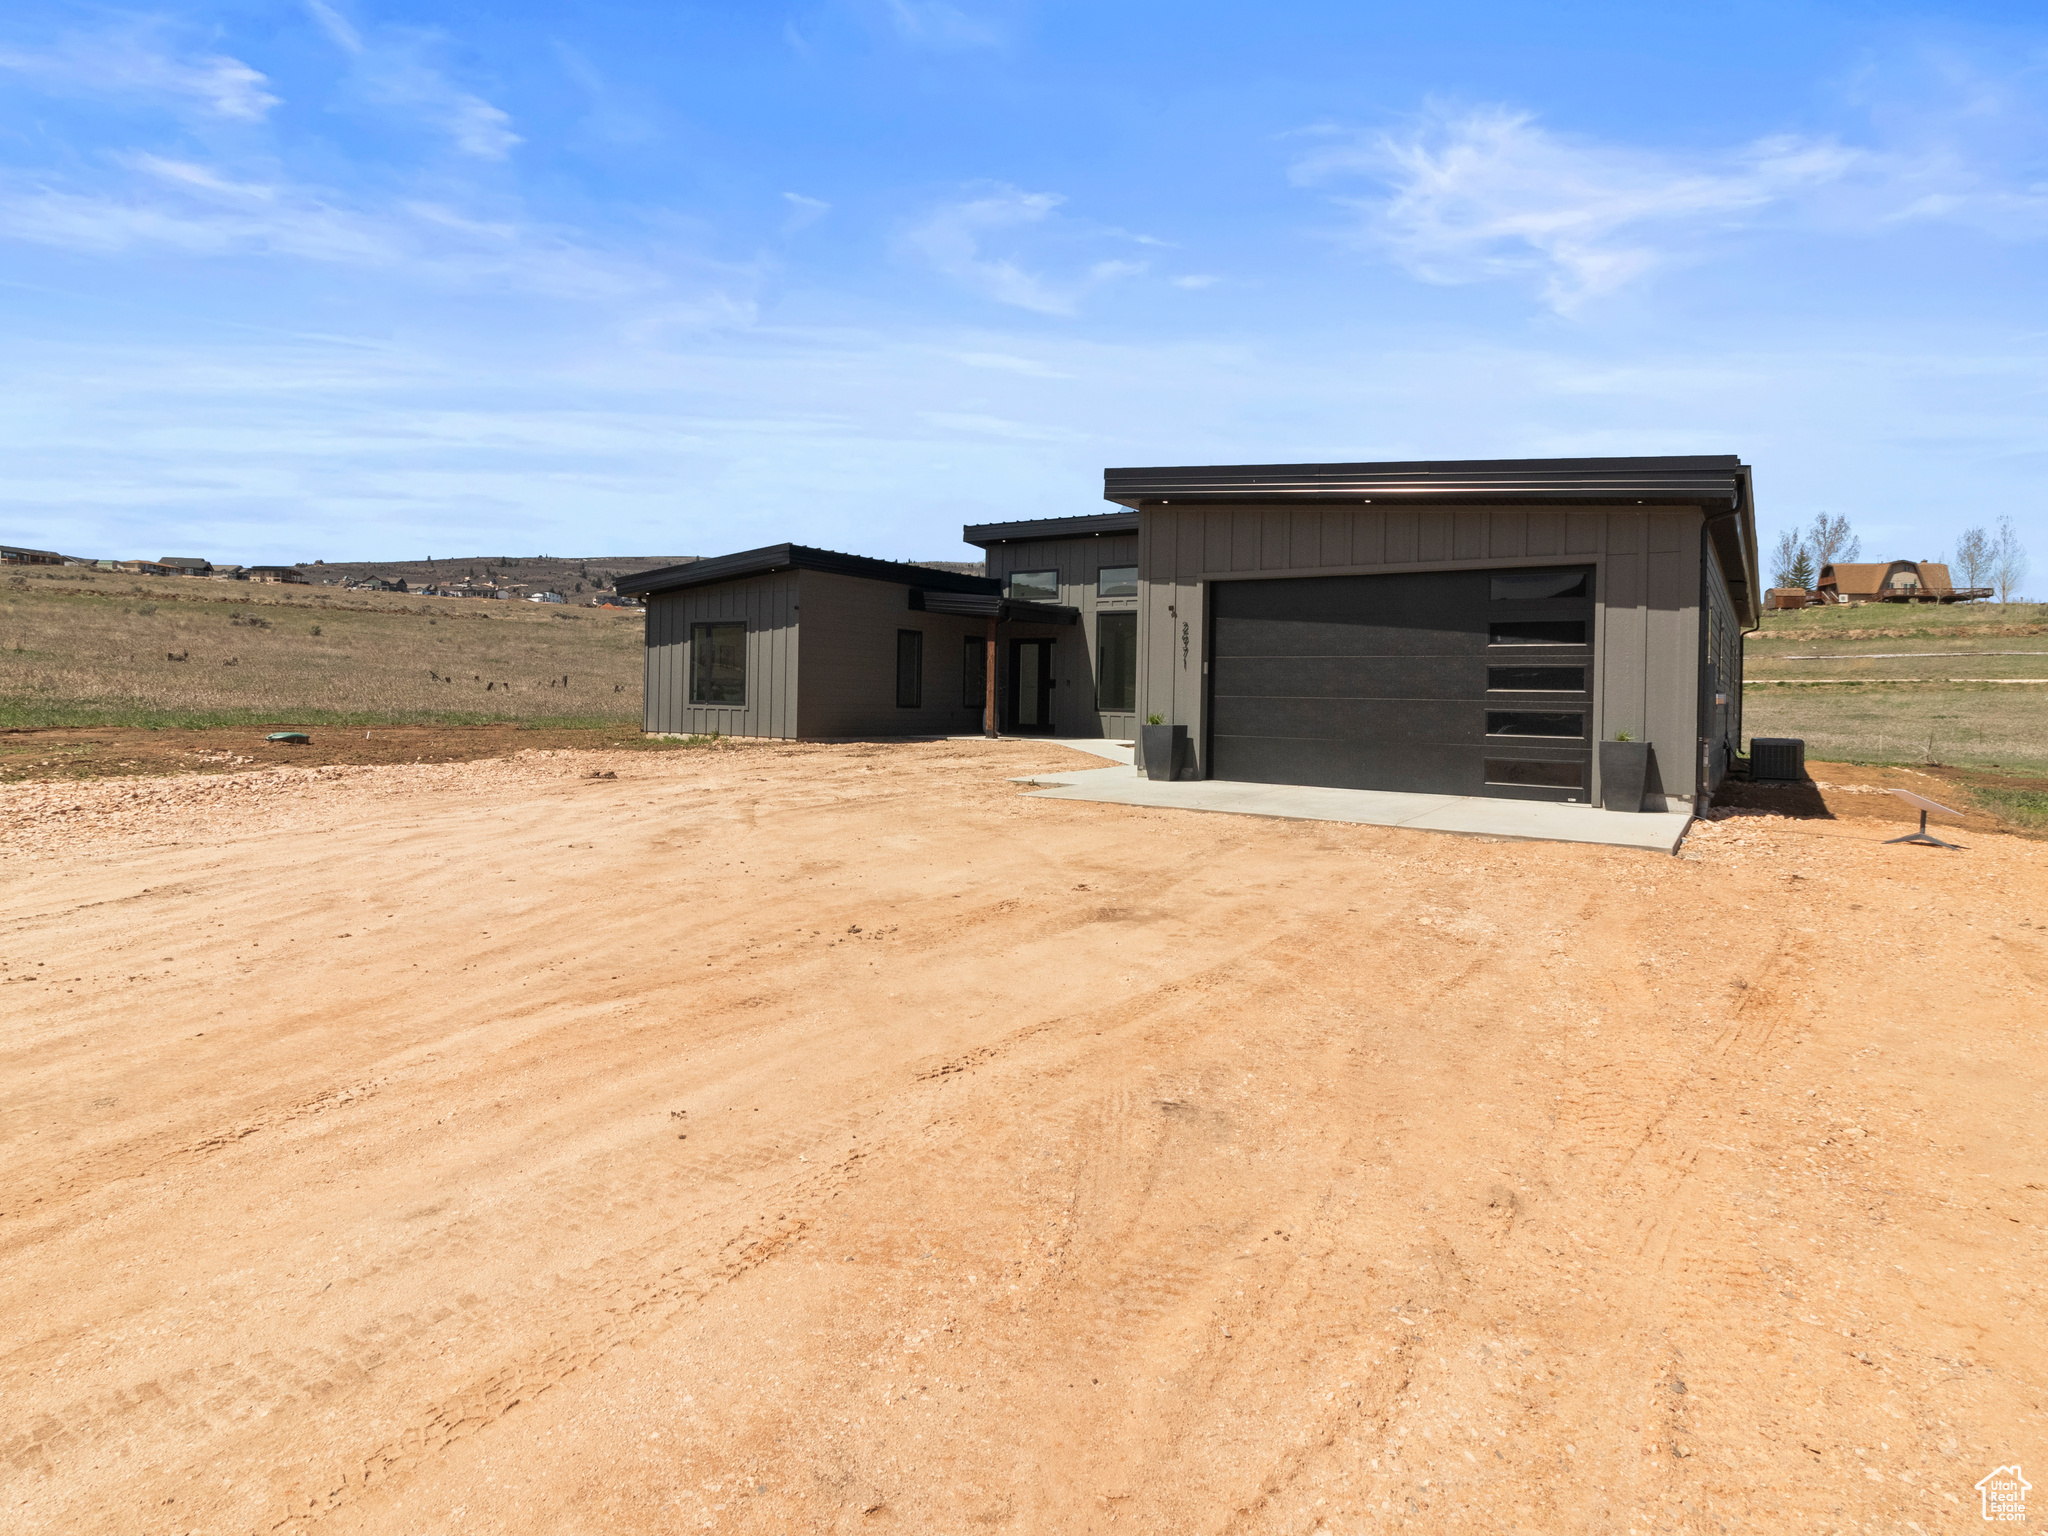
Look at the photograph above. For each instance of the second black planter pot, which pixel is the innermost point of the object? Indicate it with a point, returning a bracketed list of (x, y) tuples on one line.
[(1163, 747), (1624, 770)]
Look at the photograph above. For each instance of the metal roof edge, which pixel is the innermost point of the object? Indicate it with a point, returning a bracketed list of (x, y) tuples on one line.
[(1084, 525), (1703, 480), (781, 557)]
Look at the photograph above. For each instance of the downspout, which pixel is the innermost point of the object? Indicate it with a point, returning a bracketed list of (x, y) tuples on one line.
[(1703, 793)]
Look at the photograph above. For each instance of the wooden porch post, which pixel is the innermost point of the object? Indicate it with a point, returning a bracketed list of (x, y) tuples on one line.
[(989, 707)]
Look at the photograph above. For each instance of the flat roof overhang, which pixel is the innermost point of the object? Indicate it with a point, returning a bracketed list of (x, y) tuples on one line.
[(979, 605), (771, 558), (1092, 525), (1704, 480)]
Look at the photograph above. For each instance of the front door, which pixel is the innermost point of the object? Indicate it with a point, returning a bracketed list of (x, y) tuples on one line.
[(1031, 686)]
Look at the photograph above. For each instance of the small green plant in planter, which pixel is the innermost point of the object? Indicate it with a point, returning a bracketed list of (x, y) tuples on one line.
[(1164, 747), (1624, 735)]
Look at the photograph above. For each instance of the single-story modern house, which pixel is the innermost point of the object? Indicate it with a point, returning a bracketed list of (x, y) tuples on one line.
[(791, 641), (11, 554), (186, 565), (1468, 628)]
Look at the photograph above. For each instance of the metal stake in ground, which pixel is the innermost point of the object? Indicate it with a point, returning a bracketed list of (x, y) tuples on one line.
[(1924, 805)]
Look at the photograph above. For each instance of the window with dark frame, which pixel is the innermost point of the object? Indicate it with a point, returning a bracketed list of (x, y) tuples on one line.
[(1537, 632), (973, 673), (1116, 662), (910, 669), (1542, 586), (1535, 679), (718, 664), (1536, 722), (1117, 581), (1034, 586)]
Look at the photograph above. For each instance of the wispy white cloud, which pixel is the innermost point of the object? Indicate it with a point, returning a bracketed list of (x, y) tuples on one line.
[(933, 23), (190, 209), (392, 69), (139, 60), (954, 242), (1490, 193), (1006, 362), (1195, 281), (803, 211)]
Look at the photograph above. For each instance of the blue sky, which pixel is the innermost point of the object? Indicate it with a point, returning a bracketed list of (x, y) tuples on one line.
[(355, 279)]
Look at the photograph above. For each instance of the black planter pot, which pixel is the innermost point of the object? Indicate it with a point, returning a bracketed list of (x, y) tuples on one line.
[(1162, 749), (1624, 770)]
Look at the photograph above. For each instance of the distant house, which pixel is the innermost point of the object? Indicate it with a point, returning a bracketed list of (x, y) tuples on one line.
[(1896, 581), (147, 568), (545, 597), (12, 555), (186, 565), (283, 573), (229, 573), (379, 584)]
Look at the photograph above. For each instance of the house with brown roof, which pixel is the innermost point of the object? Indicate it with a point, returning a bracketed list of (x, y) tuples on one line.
[(1896, 581)]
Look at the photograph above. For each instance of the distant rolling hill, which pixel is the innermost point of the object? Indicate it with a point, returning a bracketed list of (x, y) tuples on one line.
[(570, 575)]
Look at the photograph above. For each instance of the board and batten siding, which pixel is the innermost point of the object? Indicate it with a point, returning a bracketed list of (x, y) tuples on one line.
[(767, 605), (848, 678), (1647, 595), (1075, 656)]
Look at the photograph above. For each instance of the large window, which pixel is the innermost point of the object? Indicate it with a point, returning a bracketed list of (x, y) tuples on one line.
[(1117, 581), (1116, 657), (909, 669), (973, 673), (718, 664), (1035, 586)]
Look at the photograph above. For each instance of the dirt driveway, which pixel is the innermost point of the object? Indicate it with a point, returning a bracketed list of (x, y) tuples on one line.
[(840, 1141)]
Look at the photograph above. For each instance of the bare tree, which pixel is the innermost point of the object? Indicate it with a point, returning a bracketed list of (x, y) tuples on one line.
[(1785, 559), (1832, 541), (1973, 558), (2008, 561)]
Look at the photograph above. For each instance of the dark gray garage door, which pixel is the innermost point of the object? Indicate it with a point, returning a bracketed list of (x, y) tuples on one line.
[(1443, 682)]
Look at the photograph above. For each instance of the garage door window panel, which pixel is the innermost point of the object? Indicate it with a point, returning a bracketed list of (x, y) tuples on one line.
[(1570, 582), (1536, 632), (1535, 679), (1536, 722)]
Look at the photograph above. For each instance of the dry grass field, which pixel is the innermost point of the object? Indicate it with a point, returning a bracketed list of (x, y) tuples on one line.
[(1896, 684), (103, 649)]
